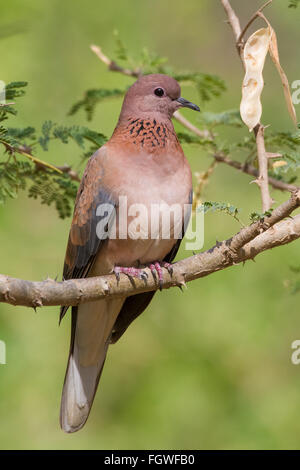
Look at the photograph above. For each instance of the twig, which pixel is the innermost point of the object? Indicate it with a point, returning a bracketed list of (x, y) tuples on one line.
[(250, 170), (236, 26), (252, 19), (66, 169), (37, 161), (233, 21), (246, 244), (262, 180), (202, 180), (69, 171), (113, 65), (40, 164), (204, 134), (249, 233)]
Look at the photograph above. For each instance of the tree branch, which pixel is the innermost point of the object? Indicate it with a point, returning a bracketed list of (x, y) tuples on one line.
[(203, 134), (24, 152), (40, 164), (232, 19), (246, 244), (234, 22), (250, 170), (262, 180), (263, 177), (67, 169), (113, 66)]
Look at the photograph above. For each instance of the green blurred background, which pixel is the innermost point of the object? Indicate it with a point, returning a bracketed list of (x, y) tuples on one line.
[(209, 368)]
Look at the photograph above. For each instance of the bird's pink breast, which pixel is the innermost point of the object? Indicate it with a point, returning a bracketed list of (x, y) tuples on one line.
[(152, 180)]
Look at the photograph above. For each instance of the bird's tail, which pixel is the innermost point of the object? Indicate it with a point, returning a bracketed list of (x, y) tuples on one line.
[(92, 324)]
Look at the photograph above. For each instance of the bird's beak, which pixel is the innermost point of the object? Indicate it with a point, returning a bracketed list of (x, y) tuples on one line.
[(187, 104)]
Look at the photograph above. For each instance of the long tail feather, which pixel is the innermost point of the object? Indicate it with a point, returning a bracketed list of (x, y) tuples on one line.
[(92, 324)]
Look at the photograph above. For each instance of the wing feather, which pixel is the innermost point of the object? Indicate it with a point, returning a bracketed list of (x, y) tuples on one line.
[(84, 242)]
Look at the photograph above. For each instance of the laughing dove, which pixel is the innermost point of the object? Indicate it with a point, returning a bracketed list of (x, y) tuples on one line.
[(142, 162)]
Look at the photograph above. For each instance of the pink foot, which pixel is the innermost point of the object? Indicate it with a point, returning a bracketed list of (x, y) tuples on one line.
[(131, 272), (156, 269)]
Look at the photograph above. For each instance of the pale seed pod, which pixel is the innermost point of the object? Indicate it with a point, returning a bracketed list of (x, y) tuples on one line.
[(255, 51)]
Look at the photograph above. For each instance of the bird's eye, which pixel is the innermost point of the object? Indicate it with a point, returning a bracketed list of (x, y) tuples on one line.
[(159, 92)]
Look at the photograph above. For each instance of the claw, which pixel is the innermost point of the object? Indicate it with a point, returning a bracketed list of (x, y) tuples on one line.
[(117, 273), (153, 270), (159, 271), (168, 267), (130, 272)]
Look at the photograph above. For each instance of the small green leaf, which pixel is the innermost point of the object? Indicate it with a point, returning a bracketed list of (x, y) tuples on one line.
[(92, 98), (294, 3), (225, 207), (257, 216)]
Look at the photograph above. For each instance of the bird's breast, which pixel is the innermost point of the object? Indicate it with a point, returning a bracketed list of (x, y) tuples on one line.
[(152, 193)]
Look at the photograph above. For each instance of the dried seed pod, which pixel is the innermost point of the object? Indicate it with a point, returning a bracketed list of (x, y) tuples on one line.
[(255, 51), (285, 83)]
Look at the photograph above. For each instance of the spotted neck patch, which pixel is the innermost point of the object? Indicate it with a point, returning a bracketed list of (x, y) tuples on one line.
[(149, 133)]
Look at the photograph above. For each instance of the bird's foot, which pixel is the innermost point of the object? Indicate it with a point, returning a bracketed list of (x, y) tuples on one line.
[(131, 272), (156, 269)]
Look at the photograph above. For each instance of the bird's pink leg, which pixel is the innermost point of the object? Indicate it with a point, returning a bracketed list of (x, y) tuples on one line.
[(155, 267), (131, 272)]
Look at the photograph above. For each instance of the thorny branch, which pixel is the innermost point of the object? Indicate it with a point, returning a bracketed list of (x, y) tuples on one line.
[(233, 21), (267, 233), (262, 235), (113, 66), (203, 134), (262, 179), (40, 164), (250, 170)]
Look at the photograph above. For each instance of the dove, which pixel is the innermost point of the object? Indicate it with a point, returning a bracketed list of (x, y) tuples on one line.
[(144, 164)]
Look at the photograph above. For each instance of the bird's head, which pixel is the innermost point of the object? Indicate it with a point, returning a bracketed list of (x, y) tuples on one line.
[(154, 95)]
